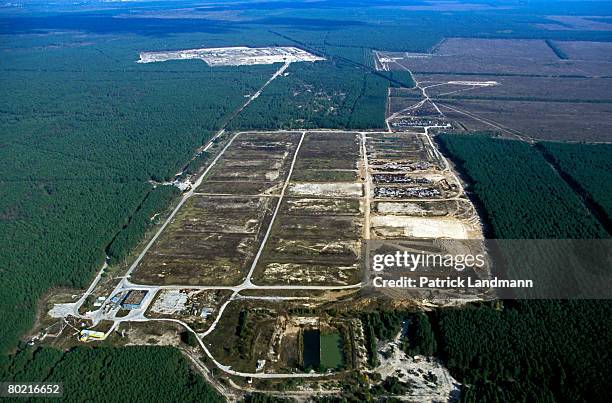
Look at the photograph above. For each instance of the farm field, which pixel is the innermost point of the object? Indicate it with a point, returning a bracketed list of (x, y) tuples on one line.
[(496, 57), (574, 50), (538, 120), (552, 89)]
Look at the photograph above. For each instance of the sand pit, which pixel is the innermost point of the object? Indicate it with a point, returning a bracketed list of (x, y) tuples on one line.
[(419, 227), (170, 302), (411, 209)]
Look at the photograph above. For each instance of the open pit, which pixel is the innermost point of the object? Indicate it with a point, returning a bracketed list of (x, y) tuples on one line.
[(233, 56)]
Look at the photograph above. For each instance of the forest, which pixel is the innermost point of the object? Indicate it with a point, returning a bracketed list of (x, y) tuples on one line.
[(155, 374), (83, 129), (383, 325), (542, 206), (547, 350), (588, 168), (80, 141), (331, 94), (82, 137), (529, 350), (143, 218)]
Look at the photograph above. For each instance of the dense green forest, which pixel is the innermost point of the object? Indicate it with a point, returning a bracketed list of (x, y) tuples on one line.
[(140, 221), (83, 128), (418, 336), (542, 206), (589, 168), (323, 94), (80, 141), (529, 350), (156, 374)]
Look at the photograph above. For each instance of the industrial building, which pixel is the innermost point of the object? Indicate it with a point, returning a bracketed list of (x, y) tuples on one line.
[(133, 299)]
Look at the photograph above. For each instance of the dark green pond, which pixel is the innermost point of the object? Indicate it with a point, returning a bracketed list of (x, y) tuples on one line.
[(312, 349)]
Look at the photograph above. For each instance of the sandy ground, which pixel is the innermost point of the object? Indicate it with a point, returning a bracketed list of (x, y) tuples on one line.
[(170, 302), (233, 56), (409, 208), (430, 381), (307, 274), (419, 227), (339, 189)]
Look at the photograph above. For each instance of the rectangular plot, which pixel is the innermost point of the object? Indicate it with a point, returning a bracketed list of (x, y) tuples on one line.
[(498, 57), (401, 153), (242, 215), (241, 187), (253, 157), (323, 227), (329, 150), (324, 175), (310, 206), (212, 240), (514, 88), (325, 164), (542, 120), (312, 250), (306, 273), (213, 259), (336, 189), (601, 51)]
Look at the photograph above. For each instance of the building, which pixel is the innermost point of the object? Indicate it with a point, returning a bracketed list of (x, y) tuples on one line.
[(133, 299), (89, 335)]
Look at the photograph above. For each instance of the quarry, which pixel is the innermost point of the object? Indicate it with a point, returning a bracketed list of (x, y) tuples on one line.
[(233, 56)]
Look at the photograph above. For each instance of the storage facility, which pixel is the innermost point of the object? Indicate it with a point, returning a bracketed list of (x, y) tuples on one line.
[(133, 299)]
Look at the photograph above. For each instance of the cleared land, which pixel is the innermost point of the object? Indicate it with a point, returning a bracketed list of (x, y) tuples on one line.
[(494, 57), (540, 120), (272, 238), (552, 89), (401, 188), (316, 236), (600, 51), (233, 56), (214, 237), (520, 88)]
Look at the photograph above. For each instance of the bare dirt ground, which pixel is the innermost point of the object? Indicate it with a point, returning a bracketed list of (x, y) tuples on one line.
[(429, 380), (542, 88), (233, 56), (418, 227), (326, 189)]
